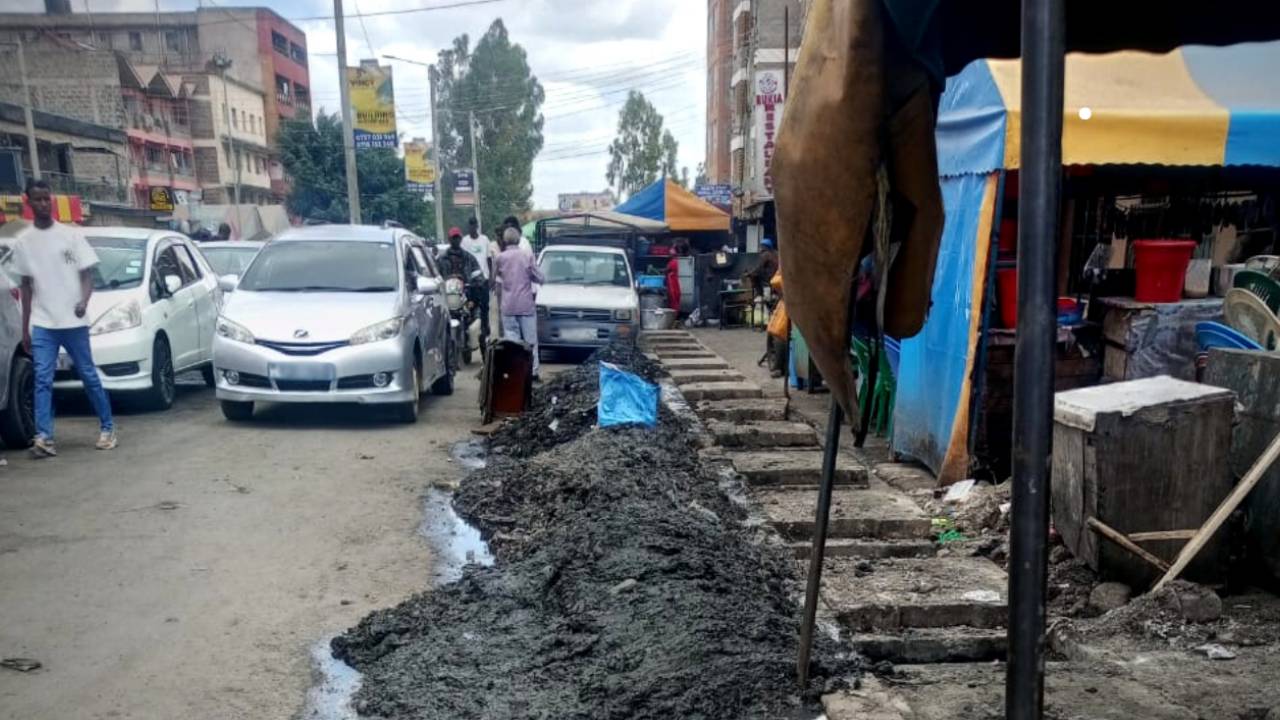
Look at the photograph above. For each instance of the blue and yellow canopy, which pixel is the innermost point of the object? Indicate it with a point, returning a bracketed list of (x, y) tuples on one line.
[(1194, 106), (680, 209)]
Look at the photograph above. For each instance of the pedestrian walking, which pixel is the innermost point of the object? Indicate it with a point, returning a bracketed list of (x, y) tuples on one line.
[(681, 249), (56, 264), (478, 244), (516, 272), (514, 222)]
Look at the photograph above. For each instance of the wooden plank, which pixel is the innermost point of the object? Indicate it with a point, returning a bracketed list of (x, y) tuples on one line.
[(1162, 535), (1118, 538)]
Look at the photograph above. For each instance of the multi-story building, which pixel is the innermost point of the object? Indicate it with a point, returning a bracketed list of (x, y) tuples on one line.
[(258, 51), (229, 131), (719, 91), (157, 121)]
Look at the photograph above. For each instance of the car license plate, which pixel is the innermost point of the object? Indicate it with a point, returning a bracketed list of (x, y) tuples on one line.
[(579, 334), (302, 371), (64, 362)]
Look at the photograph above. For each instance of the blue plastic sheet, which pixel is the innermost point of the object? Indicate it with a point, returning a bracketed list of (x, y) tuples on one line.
[(625, 398)]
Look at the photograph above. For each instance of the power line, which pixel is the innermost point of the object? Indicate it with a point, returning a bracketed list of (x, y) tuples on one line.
[(367, 43)]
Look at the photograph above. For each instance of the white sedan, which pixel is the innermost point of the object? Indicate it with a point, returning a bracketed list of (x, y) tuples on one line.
[(154, 306)]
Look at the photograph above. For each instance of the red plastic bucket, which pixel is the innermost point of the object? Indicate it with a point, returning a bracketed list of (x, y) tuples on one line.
[(1007, 296), (1161, 269)]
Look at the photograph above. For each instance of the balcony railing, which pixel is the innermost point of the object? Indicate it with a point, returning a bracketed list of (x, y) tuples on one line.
[(87, 189)]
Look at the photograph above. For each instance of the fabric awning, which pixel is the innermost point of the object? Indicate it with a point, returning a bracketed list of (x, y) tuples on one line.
[(1197, 105), (680, 209)]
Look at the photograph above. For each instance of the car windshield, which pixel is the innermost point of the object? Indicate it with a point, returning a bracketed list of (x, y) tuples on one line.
[(582, 267), (229, 260), (323, 266), (120, 262)]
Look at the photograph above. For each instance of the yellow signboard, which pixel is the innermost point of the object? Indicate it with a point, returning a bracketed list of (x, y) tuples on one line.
[(161, 198), (373, 105), (419, 173)]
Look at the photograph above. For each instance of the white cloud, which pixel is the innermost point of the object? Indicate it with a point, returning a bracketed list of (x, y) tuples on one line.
[(589, 53)]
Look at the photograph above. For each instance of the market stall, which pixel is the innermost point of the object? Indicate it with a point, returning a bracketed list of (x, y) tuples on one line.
[(1182, 145)]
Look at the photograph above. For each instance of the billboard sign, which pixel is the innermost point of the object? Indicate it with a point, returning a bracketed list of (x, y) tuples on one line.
[(373, 105), (464, 187), (767, 117), (719, 195), (161, 199), (419, 173)]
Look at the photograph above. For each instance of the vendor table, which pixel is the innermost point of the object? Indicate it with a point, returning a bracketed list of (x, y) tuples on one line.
[(1148, 339)]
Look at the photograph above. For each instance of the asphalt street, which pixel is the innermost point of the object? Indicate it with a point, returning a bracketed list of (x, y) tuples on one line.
[(189, 573)]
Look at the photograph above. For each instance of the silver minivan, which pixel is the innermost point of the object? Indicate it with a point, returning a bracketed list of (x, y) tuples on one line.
[(334, 314)]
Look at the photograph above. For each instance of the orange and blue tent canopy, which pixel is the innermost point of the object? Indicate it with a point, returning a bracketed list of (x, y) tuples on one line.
[(1195, 106), (680, 209)]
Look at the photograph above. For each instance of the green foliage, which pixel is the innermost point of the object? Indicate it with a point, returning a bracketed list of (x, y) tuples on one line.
[(494, 82), (643, 150), (313, 158)]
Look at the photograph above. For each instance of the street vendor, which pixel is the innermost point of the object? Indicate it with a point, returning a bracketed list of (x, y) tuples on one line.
[(778, 333), (765, 268), (673, 274)]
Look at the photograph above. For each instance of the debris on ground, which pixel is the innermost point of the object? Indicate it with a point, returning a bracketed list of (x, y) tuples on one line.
[(1109, 596), (626, 585), (980, 509), (20, 664), (1185, 615)]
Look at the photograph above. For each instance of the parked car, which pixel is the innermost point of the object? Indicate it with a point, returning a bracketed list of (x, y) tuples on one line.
[(589, 297), (335, 313), (230, 257), (17, 379), (152, 313)]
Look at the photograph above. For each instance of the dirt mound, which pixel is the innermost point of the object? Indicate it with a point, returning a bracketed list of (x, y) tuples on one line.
[(565, 406), (627, 585)]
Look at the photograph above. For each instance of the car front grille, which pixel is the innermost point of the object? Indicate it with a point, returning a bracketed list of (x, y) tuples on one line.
[(356, 382), (302, 349), (254, 381), (120, 369), (580, 314), (303, 385)]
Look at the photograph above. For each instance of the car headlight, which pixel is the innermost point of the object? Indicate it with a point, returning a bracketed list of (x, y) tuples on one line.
[(542, 311), (234, 331), (124, 316), (622, 315), (384, 330)]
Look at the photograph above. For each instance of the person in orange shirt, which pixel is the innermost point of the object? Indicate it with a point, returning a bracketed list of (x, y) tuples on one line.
[(673, 274)]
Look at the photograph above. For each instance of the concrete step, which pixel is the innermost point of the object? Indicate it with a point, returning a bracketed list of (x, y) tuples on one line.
[(796, 467), (877, 512), (861, 549), (670, 342), (741, 410), (721, 391), (685, 353), (687, 377), (765, 434), (657, 334), (711, 363), (933, 645), (914, 593)]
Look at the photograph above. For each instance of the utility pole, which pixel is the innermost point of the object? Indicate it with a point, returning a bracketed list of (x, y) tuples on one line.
[(348, 134), (438, 191), (223, 63), (27, 104), (475, 169)]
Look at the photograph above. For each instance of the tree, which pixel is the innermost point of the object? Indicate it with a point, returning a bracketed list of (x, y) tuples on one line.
[(494, 83), (313, 157), (702, 177), (642, 151)]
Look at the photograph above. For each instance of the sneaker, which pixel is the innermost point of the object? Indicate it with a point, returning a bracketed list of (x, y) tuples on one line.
[(43, 447), (106, 440)]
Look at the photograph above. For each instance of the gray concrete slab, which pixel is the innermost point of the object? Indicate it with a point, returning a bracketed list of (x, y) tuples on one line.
[(688, 377), (795, 467), (764, 434), (906, 477), (933, 645), (711, 363), (721, 391), (682, 354), (656, 334), (741, 410), (915, 593), (876, 512), (863, 549)]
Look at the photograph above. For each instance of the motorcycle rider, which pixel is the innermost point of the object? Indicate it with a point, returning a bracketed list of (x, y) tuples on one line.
[(457, 262)]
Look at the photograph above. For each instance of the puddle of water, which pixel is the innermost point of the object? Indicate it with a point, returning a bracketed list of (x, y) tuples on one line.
[(331, 698), (470, 454), (454, 544)]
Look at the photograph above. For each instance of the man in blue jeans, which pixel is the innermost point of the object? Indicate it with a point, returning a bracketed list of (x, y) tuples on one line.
[(56, 265)]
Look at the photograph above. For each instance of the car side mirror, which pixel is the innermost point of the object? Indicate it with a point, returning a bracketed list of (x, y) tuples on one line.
[(228, 283), (172, 284), (427, 286)]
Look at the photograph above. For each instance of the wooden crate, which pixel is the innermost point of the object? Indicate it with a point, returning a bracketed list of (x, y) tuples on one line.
[(1141, 456)]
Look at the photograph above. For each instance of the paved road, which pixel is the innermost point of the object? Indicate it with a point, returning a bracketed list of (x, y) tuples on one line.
[(188, 573)]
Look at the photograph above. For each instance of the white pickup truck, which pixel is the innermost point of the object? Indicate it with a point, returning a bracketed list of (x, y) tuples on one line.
[(589, 297)]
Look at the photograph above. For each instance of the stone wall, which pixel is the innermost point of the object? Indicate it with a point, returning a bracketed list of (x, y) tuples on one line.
[(83, 85)]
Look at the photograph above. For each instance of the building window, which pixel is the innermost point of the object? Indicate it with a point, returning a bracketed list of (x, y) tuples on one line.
[(282, 89), (298, 53), (301, 97), (173, 41), (280, 43), (135, 41), (180, 114), (253, 124), (235, 119)]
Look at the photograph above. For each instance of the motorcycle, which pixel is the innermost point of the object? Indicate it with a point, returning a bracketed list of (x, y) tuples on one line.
[(464, 326)]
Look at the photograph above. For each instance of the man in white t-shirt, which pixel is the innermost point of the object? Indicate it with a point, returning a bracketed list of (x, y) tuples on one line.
[(56, 265), (478, 245)]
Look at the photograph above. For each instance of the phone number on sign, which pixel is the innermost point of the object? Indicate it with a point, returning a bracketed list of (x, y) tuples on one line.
[(373, 143)]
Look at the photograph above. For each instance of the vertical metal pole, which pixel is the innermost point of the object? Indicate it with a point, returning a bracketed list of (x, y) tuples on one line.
[(231, 138), (348, 134), (438, 191), (27, 105), (830, 450), (475, 170), (1038, 228), (786, 50)]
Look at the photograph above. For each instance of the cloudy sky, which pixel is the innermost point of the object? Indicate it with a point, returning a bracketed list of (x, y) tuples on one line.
[(587, 53)]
